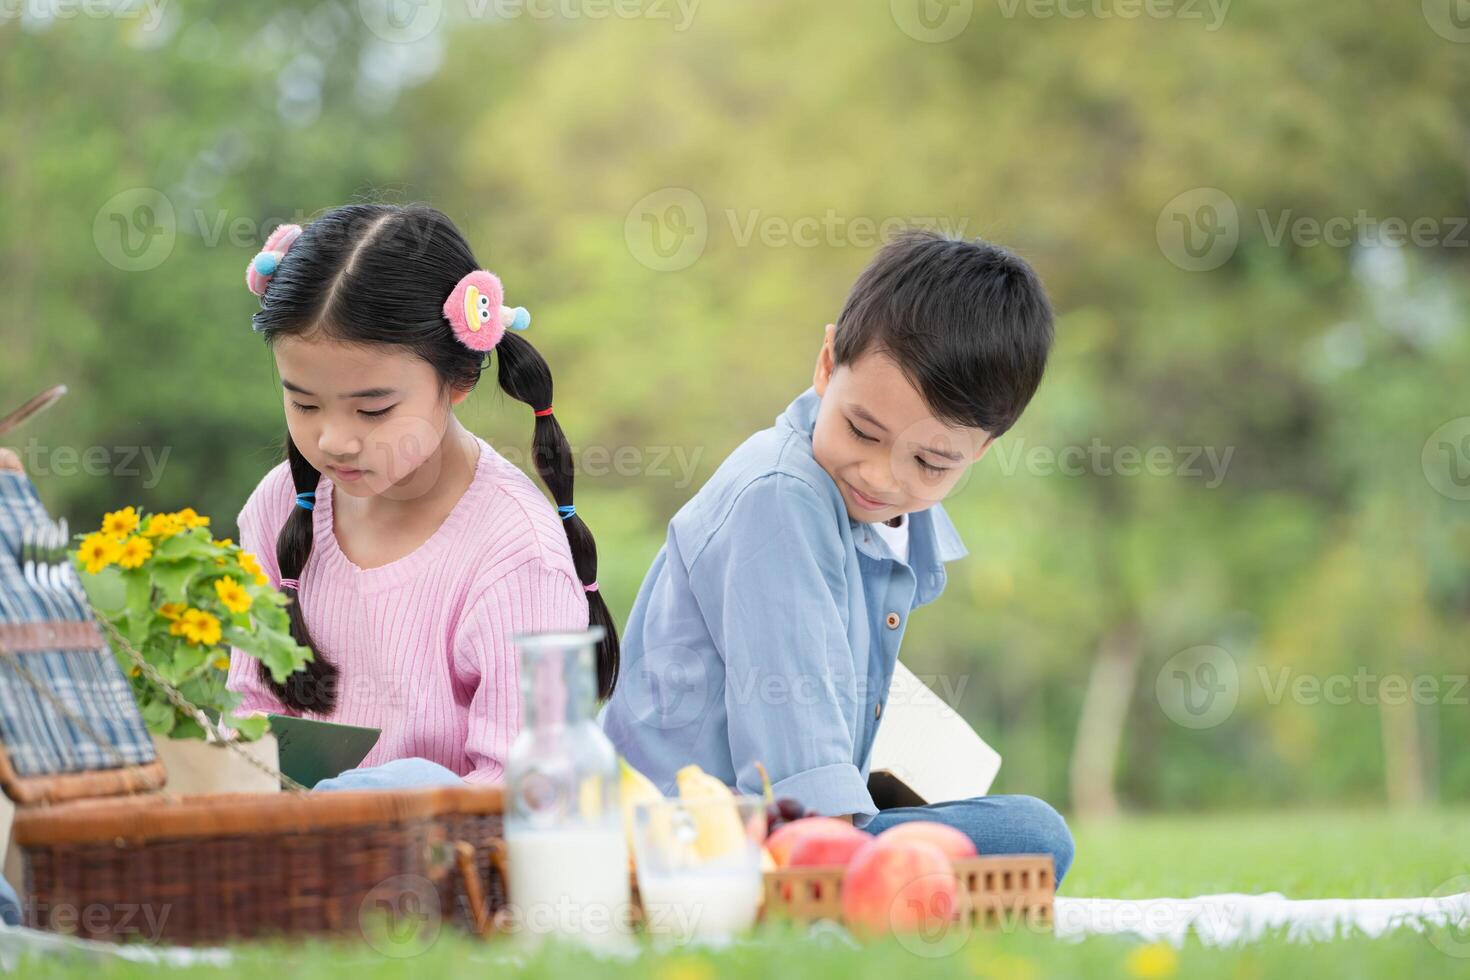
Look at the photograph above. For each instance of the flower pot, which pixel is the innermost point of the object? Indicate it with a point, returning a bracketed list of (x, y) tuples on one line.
[(197, 766)]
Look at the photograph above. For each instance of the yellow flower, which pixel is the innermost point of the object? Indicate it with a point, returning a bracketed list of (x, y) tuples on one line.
[(187, 518), (163, 526), (252, 567), (172, 610), (1153, 962), (999, 966), (134, 552), (198, 627), (232, 594), (221, 663), (134, 671), (685, 969), (120, 523), (224, 543), (98, 550)]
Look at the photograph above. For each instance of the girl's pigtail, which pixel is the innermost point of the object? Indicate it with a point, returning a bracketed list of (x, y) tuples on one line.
[(525, 377), (314, 686)]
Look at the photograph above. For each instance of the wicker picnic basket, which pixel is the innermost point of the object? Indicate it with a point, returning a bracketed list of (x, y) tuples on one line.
[(210, 869), (1002, 891), (108, 853)]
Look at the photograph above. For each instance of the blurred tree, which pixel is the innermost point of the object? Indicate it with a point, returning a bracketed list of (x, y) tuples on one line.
[(768, 144)]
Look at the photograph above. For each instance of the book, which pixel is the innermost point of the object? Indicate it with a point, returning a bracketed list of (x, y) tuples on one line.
[(314, 750), (924, 751)]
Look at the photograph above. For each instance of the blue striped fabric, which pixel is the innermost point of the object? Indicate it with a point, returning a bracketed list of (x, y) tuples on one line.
[(39, 738)]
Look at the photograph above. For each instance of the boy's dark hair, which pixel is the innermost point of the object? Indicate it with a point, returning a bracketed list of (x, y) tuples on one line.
[(967, 322), (378, 274)]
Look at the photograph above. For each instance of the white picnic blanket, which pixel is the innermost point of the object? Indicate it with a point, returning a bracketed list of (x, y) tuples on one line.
[(16, 942), (1218, 920), (1233, 919)]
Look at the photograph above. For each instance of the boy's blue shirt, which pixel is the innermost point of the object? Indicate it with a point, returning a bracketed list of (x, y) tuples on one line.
[(768, 628)]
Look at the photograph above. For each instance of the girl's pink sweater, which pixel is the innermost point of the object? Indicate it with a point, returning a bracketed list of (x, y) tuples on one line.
[(423, 644)]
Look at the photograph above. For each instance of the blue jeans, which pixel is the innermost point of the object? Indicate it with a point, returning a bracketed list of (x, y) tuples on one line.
[(997, 825), (9, 904), (398, 774)]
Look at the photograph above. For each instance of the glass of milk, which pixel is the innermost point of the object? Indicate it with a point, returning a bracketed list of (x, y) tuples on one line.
[(567, 854), (699, 866)]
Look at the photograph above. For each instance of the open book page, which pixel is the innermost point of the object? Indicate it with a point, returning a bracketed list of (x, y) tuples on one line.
[(925, 744)]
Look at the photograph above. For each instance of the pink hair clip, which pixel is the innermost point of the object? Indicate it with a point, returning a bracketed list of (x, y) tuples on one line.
[(476, 312), (291, 583), (590, 588), (258, 273)]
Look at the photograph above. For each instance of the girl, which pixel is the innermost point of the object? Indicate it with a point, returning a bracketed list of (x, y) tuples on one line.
[(413, 551)]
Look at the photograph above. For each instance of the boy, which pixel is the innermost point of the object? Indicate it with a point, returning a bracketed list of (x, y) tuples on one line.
[(768, 627)]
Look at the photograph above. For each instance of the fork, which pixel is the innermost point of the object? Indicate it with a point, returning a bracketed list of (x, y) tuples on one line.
[(49, 571)]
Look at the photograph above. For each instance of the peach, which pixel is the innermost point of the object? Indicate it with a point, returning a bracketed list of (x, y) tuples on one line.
[(786, 836), (954, 843), (899, 886), (827, 845)]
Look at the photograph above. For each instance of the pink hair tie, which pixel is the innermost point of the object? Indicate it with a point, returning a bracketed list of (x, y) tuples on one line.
[(291, 583), (590, 588), (476, 312), (258, 273)]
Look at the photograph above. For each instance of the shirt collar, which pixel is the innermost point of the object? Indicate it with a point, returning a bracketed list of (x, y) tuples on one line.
[(801, 414), (930, 529)]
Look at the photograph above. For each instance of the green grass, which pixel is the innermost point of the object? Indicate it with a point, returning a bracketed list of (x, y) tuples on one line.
[(1302, 855)]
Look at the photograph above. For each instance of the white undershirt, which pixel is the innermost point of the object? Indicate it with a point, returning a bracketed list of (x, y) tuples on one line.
[(896, 537)]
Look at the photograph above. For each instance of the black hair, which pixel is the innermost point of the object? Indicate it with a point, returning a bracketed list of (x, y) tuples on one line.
[(380, 274), (967, 322)]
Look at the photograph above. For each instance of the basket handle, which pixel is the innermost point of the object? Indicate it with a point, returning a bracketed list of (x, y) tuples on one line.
[(474, 889), (42, 401)]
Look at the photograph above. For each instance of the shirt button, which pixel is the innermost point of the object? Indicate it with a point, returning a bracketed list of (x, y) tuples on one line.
[(893, 620), (878, 710)]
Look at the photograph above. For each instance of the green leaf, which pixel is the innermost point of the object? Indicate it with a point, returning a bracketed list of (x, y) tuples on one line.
[(272, 617), (172, 581), (139, 594), (183, 545), (186, 727), (106, 591), (159, 716), (251, 728), (136, 631), (185, 660)]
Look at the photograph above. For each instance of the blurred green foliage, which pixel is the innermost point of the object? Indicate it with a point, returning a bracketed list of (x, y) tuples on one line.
[(1328, 538)]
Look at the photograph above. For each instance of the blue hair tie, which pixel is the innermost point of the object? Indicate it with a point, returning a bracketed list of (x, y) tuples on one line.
[(566, 511), (305, 500)]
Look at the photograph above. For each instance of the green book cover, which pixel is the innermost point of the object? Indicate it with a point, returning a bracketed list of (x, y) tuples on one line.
[(315, 750)]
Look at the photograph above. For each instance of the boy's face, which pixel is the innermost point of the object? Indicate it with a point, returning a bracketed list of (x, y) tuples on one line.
[(881, 443)]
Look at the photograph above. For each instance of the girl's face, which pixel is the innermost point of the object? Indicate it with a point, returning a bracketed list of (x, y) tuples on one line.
[(369, 417), (879, 441)]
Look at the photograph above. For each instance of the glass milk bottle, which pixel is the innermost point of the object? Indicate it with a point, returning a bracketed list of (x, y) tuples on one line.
[(567, 853)]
